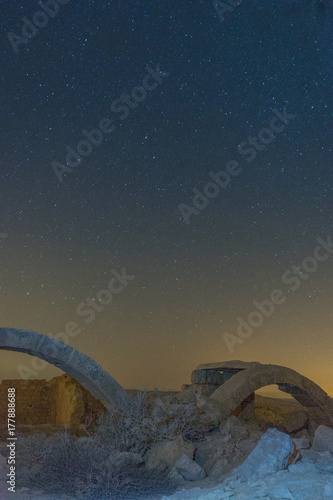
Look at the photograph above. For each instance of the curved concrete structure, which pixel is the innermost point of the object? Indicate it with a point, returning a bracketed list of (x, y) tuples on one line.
[(245, 382), (79, 366)]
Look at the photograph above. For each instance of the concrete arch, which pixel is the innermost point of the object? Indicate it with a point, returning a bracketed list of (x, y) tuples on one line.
[(245, 382), (79, 366)]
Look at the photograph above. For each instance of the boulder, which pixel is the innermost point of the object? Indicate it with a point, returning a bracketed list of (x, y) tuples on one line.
[(189, 393), (211, 411), (165, 454), (175, 476), (239, 432), (235, 428), (246, 446), (296, 421), (211, 449), (230, 422), (302, 434), (323, 439), (188, 469), (269, 456), (302, 443), (220, 468), (254, 431)]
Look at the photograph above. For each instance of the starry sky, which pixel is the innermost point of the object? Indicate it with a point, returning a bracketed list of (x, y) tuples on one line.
[(216, 85)]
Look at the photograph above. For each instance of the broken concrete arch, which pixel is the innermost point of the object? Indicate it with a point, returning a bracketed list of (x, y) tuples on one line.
[(248, 380), (239, 380), (79, 366)]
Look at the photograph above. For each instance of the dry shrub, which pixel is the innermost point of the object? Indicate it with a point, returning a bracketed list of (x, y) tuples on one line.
[(85, 469), (148, 418)]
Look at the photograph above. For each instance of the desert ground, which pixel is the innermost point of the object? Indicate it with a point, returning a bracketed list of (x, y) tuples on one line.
[(309, 476)]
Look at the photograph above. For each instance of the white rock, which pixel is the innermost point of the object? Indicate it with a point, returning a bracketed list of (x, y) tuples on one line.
[(282, 492), (270, 455), (328, 490)]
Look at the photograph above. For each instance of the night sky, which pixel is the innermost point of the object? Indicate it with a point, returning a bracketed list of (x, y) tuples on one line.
[(214, 84)]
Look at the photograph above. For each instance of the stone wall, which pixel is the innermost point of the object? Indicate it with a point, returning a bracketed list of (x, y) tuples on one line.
[(60, 401), (33, 398)]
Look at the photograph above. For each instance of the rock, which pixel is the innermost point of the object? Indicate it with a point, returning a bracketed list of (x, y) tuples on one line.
[(296, 421), (310, 481), (328, 490), (301, 467), (283, 492), (247, 446), (321, 415), (270, 455), (239, 432), (302, 434), (165, 454), (189, 393), (302, 443), (254, 431), (318, 456), (323, 439), (175, 476), (235, 428), (212, 448), (190, 470), (294, 457), (220, 468), (228, 424), (211, 410)]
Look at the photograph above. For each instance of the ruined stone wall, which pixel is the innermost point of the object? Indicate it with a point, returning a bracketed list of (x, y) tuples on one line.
[(33, 401), (60, 402)]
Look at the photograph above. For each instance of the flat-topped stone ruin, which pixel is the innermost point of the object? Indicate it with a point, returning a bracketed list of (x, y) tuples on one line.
[(219, 373)]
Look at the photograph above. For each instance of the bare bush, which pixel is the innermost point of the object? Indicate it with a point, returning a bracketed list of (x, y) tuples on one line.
[(31, 449), (148, 418), (85, 469), (128, 480)]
